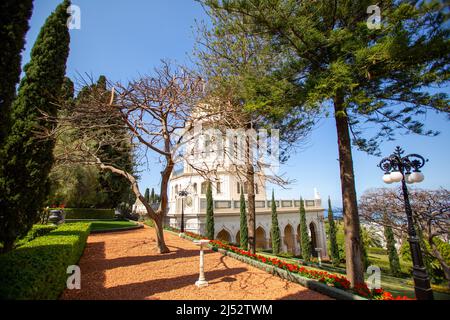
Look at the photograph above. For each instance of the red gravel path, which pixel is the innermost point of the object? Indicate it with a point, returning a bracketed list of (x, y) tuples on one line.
[(125, 266)]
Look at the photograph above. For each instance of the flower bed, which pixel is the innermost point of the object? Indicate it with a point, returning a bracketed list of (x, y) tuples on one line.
[(331, 280)]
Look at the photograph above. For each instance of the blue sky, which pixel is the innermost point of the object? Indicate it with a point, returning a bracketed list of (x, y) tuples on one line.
[(122, 39)]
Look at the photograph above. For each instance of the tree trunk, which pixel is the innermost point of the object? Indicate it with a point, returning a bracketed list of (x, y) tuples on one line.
[(353, 249), (250, 177), (251, 208), (159, 229)]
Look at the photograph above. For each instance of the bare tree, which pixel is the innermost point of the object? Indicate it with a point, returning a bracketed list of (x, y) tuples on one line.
[(431, 213), (155, 110)]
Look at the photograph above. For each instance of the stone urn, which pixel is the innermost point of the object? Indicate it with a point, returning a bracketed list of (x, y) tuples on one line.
[(56, 217)]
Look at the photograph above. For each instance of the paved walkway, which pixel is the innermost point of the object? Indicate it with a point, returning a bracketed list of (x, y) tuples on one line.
[(124, 266)]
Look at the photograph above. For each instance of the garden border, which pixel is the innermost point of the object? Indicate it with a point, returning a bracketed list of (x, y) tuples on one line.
[(303, 281)]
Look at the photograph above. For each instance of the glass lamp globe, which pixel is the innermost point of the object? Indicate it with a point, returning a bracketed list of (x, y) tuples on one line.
[(408, 178), (417, 177), (387, 178), (396, 176)]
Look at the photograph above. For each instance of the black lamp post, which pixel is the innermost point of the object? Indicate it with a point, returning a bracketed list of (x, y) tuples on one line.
[(398, 168), (182, 194)]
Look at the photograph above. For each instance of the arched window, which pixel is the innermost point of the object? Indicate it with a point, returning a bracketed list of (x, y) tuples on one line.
[(194, 187), (256, 188), (176, 189)]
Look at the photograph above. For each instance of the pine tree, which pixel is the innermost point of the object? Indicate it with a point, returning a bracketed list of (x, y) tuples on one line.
[(394, 262), (330, 54), (305, 243), (14, 16), (28, 157), (275, 230), (209, 213), (243, 223), (334, 249)]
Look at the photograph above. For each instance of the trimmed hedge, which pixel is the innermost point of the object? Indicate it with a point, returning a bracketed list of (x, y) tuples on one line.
[(88, 213), (37, 270), (38, 230)]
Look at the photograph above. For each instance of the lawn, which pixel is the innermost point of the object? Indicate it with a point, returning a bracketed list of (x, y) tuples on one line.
[(102, 225)]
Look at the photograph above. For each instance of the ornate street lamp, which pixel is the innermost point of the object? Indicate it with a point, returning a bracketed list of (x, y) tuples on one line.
[(406, 169), (183, 194)]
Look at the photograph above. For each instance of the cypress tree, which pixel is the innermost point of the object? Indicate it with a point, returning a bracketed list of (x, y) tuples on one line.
[(29, 158), (152, 196), (276, 241), (365, 256), (334, 249), (209, 213), (243, 223), (147, 195), (14, 16), (394, 262), (305, 243)]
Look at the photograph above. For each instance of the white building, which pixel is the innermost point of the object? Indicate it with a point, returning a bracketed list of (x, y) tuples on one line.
[(226, 187)]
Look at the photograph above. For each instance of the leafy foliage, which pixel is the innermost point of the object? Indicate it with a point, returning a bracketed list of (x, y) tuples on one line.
[(14, 16)]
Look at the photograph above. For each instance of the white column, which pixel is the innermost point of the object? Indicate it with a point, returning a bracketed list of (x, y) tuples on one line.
[(201, 282)]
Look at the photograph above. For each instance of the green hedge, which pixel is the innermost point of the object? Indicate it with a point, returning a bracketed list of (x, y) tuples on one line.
[(38, 230), (79, 213), (37, 270)]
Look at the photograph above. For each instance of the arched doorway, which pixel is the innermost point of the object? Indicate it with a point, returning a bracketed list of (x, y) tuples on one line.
[(238, 238), (289, 238), (312, 228), (224, 235), (260, 238)]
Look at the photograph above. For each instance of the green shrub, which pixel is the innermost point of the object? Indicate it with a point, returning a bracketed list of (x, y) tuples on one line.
[(38, 230), (78, 213), (288, 255), (37, 270)]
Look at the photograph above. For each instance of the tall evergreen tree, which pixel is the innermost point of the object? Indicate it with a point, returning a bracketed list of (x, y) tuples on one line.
[(243, 223), (116, 187), (275, 230), (152, 196), (394, 262), (209, 213), (364, 255), (305, 243), (147, 195), (380, 75), (28, 156), (14, 16), (334, 249)]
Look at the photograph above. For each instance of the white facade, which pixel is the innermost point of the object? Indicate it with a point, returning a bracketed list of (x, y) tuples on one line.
[(226, 185)]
